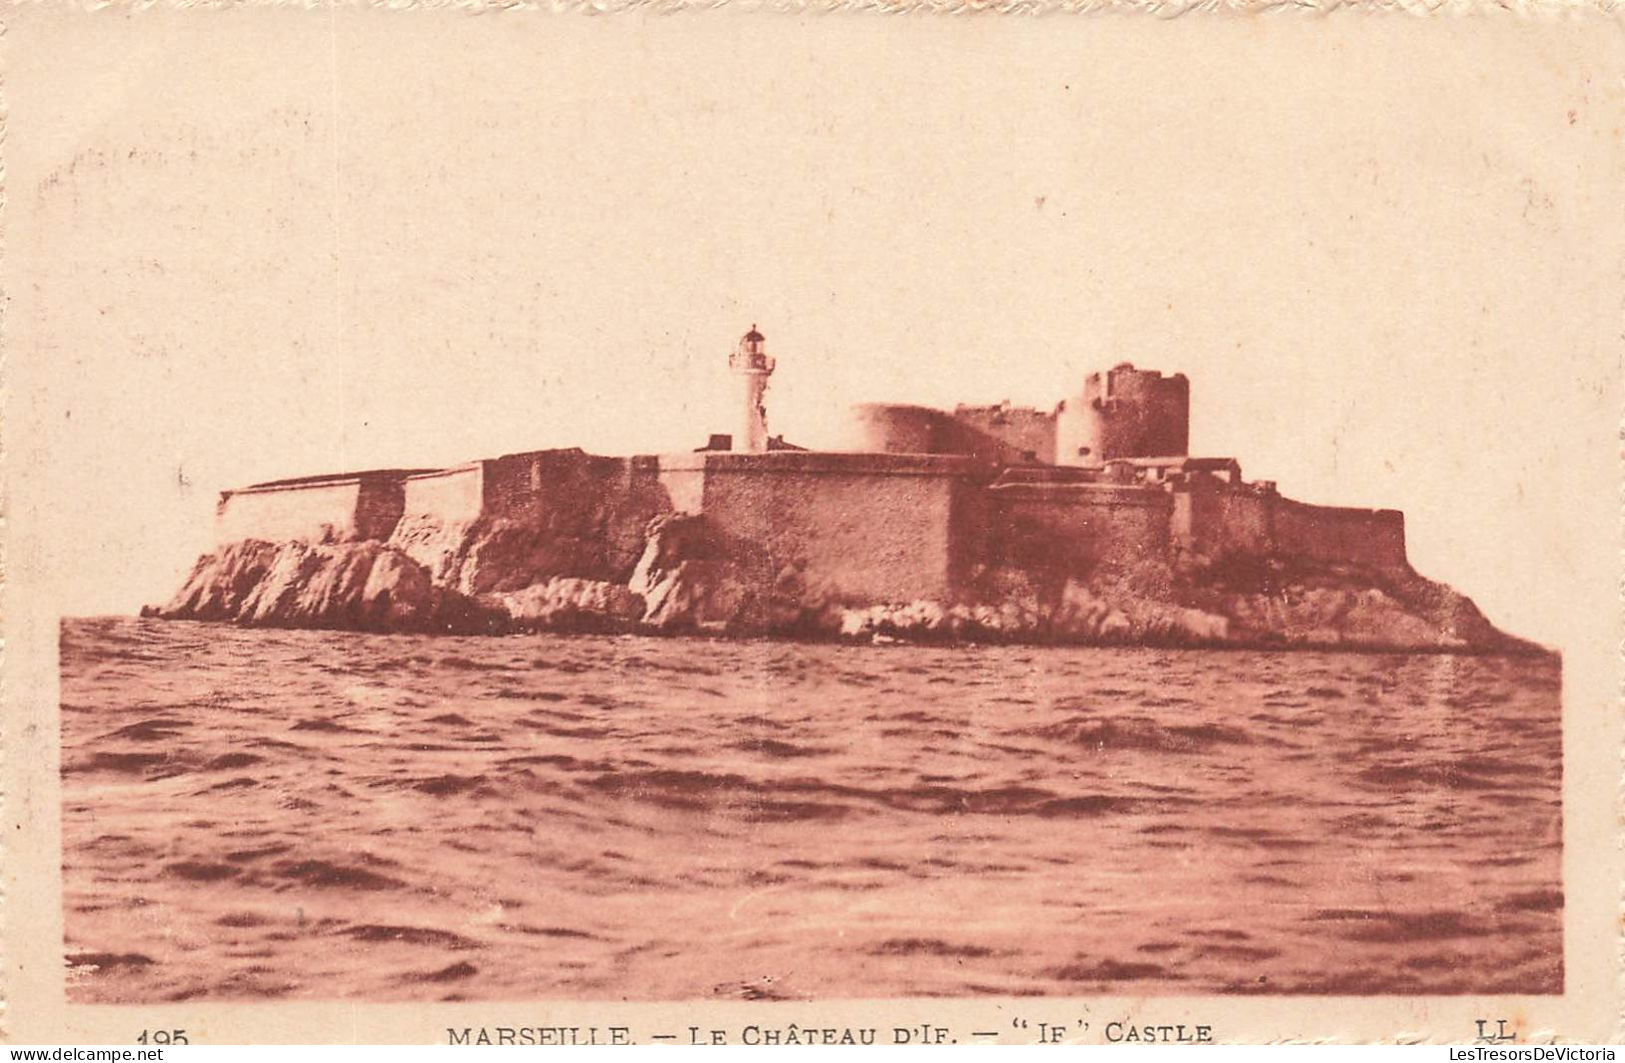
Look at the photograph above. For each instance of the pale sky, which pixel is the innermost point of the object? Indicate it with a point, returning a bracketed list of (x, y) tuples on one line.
[(250, 244)]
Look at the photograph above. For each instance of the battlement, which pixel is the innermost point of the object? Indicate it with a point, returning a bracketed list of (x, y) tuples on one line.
[(1027, 431), (998, 435), (817, 462), (1125, 412), (1122, 412)]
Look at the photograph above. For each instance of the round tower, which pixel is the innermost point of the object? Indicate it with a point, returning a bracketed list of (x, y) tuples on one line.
[(751, 364), (1125, 412)]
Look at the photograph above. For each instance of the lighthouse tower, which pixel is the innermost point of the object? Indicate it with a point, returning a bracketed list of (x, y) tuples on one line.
[(750, 363)]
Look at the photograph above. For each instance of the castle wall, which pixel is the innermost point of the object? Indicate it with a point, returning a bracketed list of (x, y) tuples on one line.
[(970, 528), (555, 488), (449, 496), (684, 483), (861, 527), (1215, 520), (317, 511), (332, 509), (380, 501), (1025, 432), (1062, 528), (633, 496), (1339, 534), (886, 428), (572, 513), (929, 499)]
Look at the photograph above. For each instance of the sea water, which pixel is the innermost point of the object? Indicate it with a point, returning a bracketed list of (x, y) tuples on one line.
[(312, 814)]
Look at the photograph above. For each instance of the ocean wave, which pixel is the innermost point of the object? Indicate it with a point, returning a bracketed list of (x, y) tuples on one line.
[(268, 814)]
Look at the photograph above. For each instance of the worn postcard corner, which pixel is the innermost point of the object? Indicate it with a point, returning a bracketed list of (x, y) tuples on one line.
[(751, 527)]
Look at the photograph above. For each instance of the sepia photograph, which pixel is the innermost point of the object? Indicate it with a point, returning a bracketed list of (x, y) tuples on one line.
[(748, 508), (993, 660)]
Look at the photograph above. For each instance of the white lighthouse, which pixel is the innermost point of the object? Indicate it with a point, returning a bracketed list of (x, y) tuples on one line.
[(752, 366)]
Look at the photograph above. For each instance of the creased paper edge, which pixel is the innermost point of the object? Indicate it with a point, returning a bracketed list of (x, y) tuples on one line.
[(1153, 8)]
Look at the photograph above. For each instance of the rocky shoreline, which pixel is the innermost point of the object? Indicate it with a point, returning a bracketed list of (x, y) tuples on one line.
[(486, 579)]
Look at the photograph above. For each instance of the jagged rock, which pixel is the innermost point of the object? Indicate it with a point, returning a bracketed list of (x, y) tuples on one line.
[(701, 594), (489, 556), (507, 555), (925, 619), (1116, 614), (398, 594), (1206, 627), (1115, 627), (794, 605), (564, 572), (689, 580), (670, 599), (674, 575), (219, 582), (588, 538), (668, 541), (1334, 616), (571, 604), (361, 585), (437, 545)]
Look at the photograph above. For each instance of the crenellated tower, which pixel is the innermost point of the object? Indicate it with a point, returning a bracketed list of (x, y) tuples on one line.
[(1125, 412)]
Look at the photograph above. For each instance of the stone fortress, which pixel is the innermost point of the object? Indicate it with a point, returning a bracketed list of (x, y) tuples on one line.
[(999, 512)]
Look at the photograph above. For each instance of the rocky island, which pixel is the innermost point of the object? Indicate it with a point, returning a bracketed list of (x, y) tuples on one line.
[(1090, 523)]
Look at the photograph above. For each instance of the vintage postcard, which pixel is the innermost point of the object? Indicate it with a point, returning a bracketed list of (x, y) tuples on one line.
[(879, 524)]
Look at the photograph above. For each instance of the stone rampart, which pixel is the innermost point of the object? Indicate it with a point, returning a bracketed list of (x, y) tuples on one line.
[(851, 527), (843, 527), (600, 504), (345, 508), (1340, 534), (1071, 528), (1027, 432), (450, 496), (892, 428), (1215, 520)]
